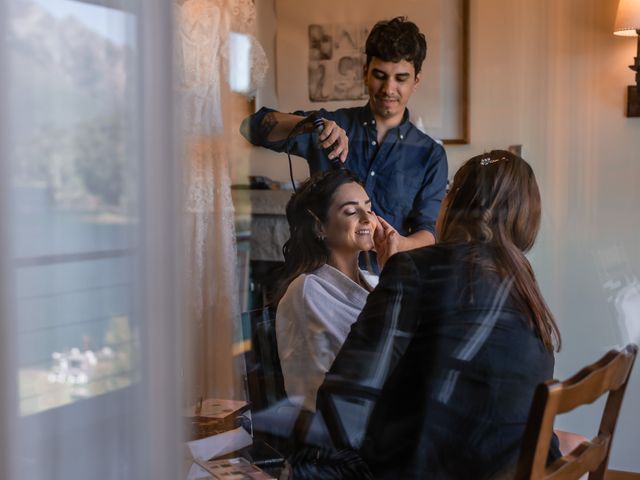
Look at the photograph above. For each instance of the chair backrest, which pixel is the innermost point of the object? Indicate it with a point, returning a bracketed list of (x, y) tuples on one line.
[(264, 373), (265, 383), (609, 374)]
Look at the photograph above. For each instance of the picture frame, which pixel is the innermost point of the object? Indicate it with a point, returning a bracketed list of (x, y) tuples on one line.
[(317, 65)]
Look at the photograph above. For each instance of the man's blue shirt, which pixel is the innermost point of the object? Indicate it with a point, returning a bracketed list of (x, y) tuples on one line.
[(405, 176)]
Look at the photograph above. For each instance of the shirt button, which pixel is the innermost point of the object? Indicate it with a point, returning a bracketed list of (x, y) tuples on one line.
[(401, 137), (373, 143), (373, 122), (364, 123), (373, 173)]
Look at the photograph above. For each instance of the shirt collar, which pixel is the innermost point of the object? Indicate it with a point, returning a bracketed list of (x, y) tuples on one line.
[(366, 118), (348, 287)]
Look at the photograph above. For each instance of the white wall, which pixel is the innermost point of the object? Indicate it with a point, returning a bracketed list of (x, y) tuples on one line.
[(550, 75)]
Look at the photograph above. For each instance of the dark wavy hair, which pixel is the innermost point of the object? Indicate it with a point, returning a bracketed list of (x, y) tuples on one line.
[(307, 210), (395, 40), (494, 202)]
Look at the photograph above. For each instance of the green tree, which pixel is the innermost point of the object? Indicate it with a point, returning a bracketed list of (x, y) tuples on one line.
[(100, 154)]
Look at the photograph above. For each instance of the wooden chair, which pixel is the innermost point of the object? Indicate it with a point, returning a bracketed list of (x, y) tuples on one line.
[(609, 374)]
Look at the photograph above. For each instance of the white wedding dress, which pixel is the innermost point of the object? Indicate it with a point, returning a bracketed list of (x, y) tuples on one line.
[(201, 54)]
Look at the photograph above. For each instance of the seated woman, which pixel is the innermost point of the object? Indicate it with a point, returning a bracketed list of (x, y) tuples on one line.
[(331, 222), (454, 339)]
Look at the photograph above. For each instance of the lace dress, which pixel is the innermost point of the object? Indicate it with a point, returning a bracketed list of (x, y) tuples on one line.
[(201, 55)]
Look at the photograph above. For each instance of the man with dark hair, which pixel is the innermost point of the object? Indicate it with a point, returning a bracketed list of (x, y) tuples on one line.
[(396, 40), (403, 170)]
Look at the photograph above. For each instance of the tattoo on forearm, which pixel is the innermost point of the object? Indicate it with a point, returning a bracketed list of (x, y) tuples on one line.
[(268, 123)]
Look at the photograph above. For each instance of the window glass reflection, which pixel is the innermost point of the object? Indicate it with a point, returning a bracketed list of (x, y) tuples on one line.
[(74, 205)]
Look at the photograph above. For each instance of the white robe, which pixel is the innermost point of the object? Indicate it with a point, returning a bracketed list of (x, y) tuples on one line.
[(313, 320)]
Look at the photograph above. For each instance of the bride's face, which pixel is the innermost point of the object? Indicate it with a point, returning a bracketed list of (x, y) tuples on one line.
[(350, 222)]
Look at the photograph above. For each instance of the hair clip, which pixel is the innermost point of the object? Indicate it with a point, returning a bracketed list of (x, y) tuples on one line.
[(315, 217), (488, 160)]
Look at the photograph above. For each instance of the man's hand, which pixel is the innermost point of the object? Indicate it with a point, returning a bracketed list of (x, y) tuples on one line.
[(385, 239), (335, 138), (277, 126)]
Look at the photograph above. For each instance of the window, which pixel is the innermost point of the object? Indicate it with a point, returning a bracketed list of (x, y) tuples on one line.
[(74, 206), (87, 237)]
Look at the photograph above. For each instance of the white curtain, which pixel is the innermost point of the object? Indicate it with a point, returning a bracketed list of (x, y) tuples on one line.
[(90, 283)]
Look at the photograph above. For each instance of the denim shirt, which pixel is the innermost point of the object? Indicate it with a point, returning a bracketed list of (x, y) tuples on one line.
[(405, 176)]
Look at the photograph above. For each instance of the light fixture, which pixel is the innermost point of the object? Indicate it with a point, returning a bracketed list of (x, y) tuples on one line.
[(628, 25)]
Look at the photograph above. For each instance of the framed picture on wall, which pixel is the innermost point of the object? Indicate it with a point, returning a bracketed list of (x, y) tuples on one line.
[(320, 57)]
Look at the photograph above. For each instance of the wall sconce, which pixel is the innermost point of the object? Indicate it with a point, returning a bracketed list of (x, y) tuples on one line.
[(628, 25)]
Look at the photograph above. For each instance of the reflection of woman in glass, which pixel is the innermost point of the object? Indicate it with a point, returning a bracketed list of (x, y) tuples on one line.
[(331, 222)]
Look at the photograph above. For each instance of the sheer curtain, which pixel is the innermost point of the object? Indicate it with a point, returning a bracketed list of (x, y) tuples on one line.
[(89, 252)]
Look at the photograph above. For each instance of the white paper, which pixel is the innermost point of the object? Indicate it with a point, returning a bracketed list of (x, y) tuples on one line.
[(220, 444)]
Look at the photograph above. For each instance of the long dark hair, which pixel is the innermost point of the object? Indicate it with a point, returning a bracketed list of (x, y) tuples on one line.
[(306, 250), (494, 202)]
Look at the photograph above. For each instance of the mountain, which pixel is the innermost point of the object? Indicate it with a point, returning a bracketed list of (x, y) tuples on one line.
[(62, 71), (70, 101)]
